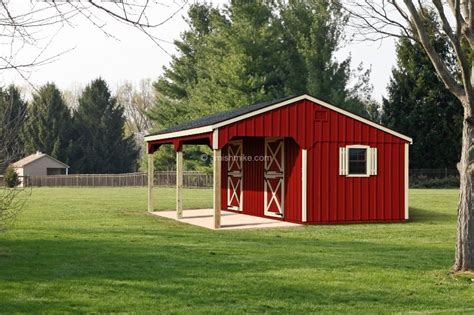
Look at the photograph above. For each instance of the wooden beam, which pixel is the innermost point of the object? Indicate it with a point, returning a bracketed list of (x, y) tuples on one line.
[(150, 182), (179, 184), (217, 189)]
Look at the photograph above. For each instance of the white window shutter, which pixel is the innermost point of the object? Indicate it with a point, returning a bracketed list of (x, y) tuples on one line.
[(342, 161), (373, 161)]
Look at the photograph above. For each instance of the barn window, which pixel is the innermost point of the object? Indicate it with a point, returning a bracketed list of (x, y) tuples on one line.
[(357, 161)]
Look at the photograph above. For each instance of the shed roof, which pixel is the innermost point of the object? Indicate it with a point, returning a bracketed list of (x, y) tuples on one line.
[(214, 121), (34, 157)]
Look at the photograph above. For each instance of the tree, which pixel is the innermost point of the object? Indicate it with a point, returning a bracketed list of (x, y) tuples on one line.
[(173, 88), (100, 145), (48, 126), (255, 51), (416, 99), (71, 96), (375, 20), (136, 101), (313, 31), (11, 177), (252, 51), (240, 59), (12, 117)]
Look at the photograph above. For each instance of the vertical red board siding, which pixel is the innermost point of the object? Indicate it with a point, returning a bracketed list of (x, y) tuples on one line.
[(319, 182), (292, 181), (253, 177), (325, 174), (331, 198)]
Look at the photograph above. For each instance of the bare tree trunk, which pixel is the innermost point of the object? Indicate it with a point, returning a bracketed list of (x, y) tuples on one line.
[(464, 257), (455, 20)]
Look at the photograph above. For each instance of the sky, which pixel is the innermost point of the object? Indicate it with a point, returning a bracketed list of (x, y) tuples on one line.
[(87, 53)]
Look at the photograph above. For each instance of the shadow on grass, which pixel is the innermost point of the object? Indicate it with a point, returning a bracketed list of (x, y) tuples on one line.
[(178, 258), (430, 216), (187, 266)]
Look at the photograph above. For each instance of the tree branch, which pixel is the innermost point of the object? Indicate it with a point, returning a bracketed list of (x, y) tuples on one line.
[(29, 28), (374, 21), (441, 68), (455, 39)]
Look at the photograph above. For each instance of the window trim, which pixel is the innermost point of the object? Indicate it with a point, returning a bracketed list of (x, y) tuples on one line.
[(367, 160)]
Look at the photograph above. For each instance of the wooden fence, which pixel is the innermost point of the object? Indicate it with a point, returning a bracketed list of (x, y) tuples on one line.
[(190, 179), (434, 173)]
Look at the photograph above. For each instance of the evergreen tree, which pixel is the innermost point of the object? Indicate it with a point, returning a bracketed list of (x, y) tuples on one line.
[(173, 88), (241, 59), (313, 32), (12, 117), (99, 142), (419, 105), (48, 127), (254, 51)]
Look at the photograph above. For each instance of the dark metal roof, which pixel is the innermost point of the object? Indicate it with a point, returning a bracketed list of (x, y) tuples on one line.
[(222, 116)]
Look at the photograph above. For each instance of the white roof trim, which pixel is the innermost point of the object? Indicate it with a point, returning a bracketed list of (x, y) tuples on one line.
[(187, 132), (43, 155), (210, 128), (66, 166)]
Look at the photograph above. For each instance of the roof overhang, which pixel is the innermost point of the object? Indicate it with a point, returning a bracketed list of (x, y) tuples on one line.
[(16, 165), (210, 128), (182, 133)]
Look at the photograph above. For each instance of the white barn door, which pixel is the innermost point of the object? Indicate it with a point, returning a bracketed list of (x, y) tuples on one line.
[(234, 175), (274, 177)]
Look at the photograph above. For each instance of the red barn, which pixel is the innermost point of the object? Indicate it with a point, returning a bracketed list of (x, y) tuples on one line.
[(298, 159)]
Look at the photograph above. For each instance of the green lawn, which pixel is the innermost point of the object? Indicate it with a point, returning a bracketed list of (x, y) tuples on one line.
[(96, 250)]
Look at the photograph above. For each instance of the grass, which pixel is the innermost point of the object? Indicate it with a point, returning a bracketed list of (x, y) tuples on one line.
[(96, 250)]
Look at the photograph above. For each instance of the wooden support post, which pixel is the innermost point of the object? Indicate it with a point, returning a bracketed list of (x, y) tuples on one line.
[(150, 182), (179, 184), (217, 188)]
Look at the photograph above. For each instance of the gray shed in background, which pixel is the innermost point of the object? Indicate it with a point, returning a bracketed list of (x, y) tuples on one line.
[(40, 164)]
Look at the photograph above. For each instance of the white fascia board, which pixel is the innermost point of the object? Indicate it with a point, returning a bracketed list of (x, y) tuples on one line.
[(188, 132)]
